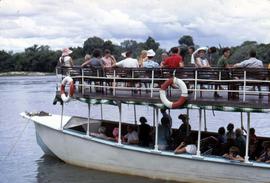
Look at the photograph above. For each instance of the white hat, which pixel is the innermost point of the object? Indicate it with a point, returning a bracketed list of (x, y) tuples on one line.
[(195, 52), (66, 51), (124, 54), (151, 53)]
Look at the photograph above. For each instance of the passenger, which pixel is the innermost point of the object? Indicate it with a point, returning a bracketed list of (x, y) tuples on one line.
[(233, 154), (212, 55), (144, 133), (240, 141), (175, 60), (101, 133), (164, 55), (222, 139), (223, 60), (230, 132), (252, 144), (166, 115), (95, 62), (128, 62), (65, 59), (185, 127), (142, 58), (164, 134), (149, 62), (188, 56), (108, 59), (252, 62), (265, 157), (201, 61), (132, 136), (187, 146), (220, 142), (115, 134)]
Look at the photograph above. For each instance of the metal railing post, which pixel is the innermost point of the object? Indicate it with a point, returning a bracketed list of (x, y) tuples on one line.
[(114, 83), (199, 134), (195, 84), (156, 134), (244, 87), (83, 81), (120, 124), (62, 113), (247, 138), (88, 119), (152, 83)]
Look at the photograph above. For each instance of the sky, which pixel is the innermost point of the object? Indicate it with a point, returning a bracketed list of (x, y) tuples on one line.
[(68, 23)]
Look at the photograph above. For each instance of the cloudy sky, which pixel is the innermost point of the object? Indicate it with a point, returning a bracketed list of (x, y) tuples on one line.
[(64, 23)]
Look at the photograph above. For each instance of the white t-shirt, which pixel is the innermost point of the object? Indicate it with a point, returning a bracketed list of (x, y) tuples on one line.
[(131, 136), (191, 149), (66, 59), (250, 63), (128, 62)]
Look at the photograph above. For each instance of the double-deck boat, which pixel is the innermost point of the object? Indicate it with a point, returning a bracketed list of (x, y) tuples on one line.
[(69, 137)]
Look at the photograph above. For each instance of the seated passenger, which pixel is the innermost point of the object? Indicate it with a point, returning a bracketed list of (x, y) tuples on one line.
[(233, 154), (187, 146), (128, 62), (175, 60), (132, 136), (144, 133), (230, 132), (240, 141), (96, 61), (149, 62), (164, 134), (185, 127), (252, 144), (222, 139), (201, 61), (265, 157), (101, 133)]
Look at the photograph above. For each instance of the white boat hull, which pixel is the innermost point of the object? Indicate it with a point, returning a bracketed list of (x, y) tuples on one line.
[(80, 150)]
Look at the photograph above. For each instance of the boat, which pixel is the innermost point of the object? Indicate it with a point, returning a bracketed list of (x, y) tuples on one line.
[(69, 137)]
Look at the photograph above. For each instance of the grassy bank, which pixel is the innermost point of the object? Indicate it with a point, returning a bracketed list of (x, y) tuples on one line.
[(24, 73)]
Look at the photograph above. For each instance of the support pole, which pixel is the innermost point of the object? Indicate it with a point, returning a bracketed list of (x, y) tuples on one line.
[(135, 114), (204, 118), (195, 85), (156, 134), (101, 111), (152, 83), (199, 134), (187, 132), (120, 124), (247, 138), (62, 113), (242, 120), (88, 120), (154, 117), (244, 87)]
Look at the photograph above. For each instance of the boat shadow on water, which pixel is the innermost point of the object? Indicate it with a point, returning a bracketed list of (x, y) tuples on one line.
[(52, 169)]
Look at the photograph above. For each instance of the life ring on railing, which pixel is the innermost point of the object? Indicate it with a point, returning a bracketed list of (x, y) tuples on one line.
[(181, 85), (66, 80)]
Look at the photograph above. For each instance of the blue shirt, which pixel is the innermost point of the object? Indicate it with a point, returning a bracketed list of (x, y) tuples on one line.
[(150, 64)]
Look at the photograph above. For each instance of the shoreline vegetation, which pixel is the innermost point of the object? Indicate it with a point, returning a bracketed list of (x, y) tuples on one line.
[(25, 73), (41, 58)]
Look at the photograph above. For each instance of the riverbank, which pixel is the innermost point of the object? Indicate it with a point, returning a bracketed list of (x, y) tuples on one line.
[(24, 73)]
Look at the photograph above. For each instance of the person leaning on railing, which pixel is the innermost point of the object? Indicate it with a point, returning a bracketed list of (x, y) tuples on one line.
[(173, 61)]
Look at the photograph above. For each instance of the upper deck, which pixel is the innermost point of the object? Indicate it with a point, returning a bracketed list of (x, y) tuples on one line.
[(140, 85)]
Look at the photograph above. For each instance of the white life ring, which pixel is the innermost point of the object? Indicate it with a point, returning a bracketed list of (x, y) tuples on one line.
[(181, 85), (66, 80)]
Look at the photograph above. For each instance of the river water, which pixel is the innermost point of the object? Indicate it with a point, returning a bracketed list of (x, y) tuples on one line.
[(21, 159)]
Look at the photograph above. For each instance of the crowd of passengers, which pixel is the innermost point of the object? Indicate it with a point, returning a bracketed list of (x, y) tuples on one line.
[(200, 58), (230, 143)]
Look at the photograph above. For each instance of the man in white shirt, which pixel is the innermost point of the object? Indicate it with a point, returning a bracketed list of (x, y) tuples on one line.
[(132, 136), (128, 62), (252, 62)]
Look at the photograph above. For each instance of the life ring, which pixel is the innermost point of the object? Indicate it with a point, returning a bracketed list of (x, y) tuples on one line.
[(66, 80), (181, 85)]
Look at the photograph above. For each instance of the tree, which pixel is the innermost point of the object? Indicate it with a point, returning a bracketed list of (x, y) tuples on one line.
[(186, 40), (92, 43), (150, 43)]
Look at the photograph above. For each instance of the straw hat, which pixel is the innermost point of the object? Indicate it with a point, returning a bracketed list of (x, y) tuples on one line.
[(66, 51), (151, 53)]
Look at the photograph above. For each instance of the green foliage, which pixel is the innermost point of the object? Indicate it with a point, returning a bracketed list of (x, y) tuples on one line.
[(186, 40), (43, 59)]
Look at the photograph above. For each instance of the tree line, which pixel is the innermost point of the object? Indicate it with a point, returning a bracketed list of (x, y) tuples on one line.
[(42, 58)]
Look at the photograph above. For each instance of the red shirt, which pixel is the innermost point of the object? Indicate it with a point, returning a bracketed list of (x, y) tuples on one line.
[(173, 61)]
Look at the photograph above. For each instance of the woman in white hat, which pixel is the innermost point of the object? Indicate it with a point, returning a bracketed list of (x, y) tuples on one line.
[(149, 62), (201, 61), (65, 59)]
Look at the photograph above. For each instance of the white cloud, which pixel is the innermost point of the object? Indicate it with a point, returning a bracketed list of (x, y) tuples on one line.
[(70, 22)]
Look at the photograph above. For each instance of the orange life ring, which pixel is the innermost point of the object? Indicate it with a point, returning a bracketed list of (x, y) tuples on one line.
[(66, 80), (181, 85)]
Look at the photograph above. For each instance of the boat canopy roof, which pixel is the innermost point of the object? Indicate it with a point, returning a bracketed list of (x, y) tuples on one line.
[(189, 106)]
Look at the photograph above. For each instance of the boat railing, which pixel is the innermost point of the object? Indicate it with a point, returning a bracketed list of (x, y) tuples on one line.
[(233, 83)]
